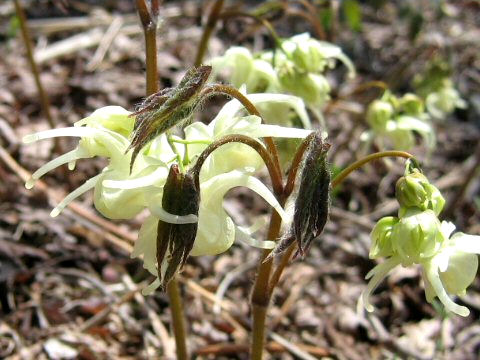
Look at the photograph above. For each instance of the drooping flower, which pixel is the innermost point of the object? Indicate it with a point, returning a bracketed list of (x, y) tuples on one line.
[(297, 67), (121, 193), (394, 121), (449, 263), (436, 87), (104, 133)]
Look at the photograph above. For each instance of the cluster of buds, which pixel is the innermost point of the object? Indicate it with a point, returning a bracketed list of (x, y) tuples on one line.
[(436, 87), (185, 202), (297, 67), (449, 262), (396, 120)]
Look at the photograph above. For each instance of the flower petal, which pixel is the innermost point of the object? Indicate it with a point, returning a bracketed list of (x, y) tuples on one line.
[(377, 274), (89, 184), (431, 272)]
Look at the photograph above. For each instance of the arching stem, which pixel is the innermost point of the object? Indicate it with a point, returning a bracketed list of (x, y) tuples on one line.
[(273, 171), (287, 255), (231, 91)]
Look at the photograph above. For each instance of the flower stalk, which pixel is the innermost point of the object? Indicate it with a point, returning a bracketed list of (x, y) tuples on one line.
[(148, 19), (178, 319)]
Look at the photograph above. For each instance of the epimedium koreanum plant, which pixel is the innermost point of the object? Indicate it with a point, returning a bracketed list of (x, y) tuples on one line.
[(297, 66), (394, 121), (437, 88), (417, 237), (163, 176)]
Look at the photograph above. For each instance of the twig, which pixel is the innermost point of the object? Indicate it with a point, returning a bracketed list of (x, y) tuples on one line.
[(208, 30), (45, 102), (105, 43), (100, 316), (294, 349), (157, 324), (227, 280)]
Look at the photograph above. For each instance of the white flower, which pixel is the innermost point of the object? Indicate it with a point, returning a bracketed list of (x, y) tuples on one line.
[(216, 229), (449, 263), (120, 194), (452, 269), (444, 101), (396, 120), (103, 133), (296, 67), (229, 121)]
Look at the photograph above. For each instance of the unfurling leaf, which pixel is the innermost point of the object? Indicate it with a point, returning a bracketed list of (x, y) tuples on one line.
[(167, 108), (313, 198)]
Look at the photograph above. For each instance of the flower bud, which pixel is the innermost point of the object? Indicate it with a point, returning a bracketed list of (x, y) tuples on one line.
[(411, 104), (417, 236), (381, 237), (378, 113), (313, 198), (414, 190), (181, 196)]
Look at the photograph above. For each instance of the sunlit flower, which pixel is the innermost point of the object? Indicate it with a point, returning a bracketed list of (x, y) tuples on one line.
[(121, 194), (103, 133), (449, 262), (216, 230), (297, 66)]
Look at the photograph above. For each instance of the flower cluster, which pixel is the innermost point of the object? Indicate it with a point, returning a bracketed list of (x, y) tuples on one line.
[(297, 66), (121, 192), (397, 120), (449, 262), (436, 87)]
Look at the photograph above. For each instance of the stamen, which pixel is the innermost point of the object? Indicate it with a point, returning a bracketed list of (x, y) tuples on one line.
[(89, 184)]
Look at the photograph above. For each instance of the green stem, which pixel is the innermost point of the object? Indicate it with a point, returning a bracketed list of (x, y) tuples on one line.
[(208, 30), (359, 163), (176, 308), (272, 148), (171, 142), (44, 100), (335, 182), (191, 142)]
